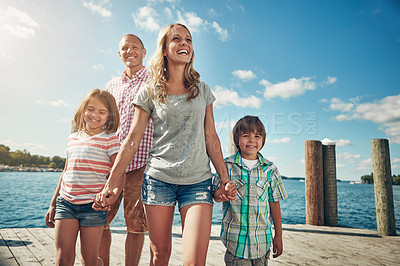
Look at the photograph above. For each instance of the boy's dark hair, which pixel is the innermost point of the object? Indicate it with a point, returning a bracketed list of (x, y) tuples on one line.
[(248, 124)]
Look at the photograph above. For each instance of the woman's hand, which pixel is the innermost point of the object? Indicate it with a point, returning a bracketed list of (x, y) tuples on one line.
[(106, 197), (226, 191)]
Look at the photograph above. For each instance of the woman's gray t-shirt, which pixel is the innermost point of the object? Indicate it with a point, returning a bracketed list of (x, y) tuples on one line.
[(179, 154)]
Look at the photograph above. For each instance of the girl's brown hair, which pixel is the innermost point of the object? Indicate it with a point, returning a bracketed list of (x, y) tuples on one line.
[(105, 98), (158, 65), (248, 124)]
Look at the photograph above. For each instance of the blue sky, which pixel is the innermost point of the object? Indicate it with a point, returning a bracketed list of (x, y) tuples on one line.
[(311, 70)]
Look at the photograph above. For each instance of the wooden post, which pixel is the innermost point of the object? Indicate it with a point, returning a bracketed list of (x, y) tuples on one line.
[(330, 186), (385, 220), (314, 183)]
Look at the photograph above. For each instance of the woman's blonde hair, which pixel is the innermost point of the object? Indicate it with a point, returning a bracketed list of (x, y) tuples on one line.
[(158, 65), (105, 98)]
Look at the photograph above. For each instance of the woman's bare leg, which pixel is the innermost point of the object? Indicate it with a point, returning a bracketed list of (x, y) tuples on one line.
[(159, 224), (196, 224)]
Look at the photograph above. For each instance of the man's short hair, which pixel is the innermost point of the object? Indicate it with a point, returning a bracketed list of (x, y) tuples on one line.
[(130, 35)]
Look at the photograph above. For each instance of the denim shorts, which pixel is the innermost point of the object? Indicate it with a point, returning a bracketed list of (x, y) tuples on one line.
[(84, 213), (156, 192)]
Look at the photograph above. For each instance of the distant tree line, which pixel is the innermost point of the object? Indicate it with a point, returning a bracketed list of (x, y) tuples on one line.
[(24, 158), (369, 179)]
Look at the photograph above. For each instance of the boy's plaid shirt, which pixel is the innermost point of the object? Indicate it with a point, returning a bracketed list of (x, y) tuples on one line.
[(246, 230)]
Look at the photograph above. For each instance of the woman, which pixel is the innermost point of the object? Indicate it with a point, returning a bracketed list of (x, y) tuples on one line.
[(178, 168)]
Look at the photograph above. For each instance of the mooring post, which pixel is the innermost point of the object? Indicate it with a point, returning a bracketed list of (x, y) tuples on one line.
[(330, 186), (314, 182), (385, 219)]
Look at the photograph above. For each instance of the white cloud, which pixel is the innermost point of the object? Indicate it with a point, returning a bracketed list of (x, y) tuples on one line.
[(18, 23), (98, 67), (330, 80), (230, 97), (384, 112), (148, 19), (323, 100), (343, 117), (288, 89), (395, 160), (282, 140), (58, 103), (365, 165), (339, 105), (245, 75), (145, 18), (99, 7), (221, 32), (339, 142), (5, 54), (212, 12), (193, 21), (168, 13), (32, 148), (162, 1), (348, 157)]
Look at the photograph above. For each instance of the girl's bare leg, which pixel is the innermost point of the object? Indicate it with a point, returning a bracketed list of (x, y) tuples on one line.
[(90, 243), (196, 224), (159, 223), (66, 233)]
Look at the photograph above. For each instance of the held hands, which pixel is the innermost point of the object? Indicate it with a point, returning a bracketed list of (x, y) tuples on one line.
[(49, 218), (277, 246), (105, 198), (226, 191)]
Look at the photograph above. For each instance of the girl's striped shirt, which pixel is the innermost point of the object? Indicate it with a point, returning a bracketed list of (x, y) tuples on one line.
[(88, 165)]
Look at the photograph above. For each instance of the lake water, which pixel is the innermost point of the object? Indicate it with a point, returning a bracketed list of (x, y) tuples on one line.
[(25, 197)]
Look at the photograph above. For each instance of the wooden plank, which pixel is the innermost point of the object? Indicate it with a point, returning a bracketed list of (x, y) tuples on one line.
[(6, 257), (329, 245), (21, 253), (41, 234), (42, 254), (117, 249)]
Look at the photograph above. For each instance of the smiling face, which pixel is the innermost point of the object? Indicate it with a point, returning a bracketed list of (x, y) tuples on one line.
[(250, 144), (131, 52), (95, 116), (178, 45)]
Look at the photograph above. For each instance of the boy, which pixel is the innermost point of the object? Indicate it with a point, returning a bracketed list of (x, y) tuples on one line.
[(245, 229)]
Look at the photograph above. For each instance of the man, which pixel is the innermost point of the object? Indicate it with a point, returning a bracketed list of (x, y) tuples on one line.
[(124, 88)]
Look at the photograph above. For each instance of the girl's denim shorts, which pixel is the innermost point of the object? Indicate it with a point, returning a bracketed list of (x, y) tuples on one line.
[(156, 192), (84, 213)]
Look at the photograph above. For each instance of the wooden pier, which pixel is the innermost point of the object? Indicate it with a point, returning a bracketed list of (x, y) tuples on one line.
[(303, 245)]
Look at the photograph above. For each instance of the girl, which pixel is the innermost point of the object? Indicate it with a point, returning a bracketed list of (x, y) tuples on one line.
[(178, 168), (91, 152)]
